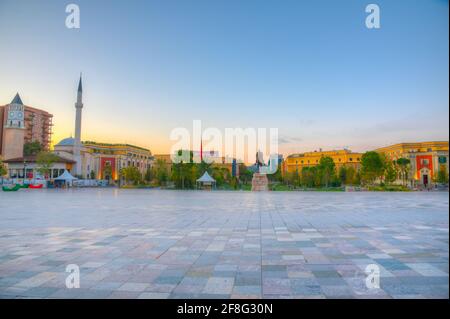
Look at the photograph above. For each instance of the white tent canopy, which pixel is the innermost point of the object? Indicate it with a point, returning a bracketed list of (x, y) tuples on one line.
[(66, 176), (206, 178)]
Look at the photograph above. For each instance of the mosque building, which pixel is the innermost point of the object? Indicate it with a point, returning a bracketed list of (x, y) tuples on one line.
[(94, 160)]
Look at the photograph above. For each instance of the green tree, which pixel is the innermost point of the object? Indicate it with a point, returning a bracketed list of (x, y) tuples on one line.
[(404, 166), (372, 167), (245, 175), (32, 148), (234, 182), (343, 174), (351, 176), (308, 177), (92, 174), (161, 174), (45, 161), (326, 170), (295, 179), (442, 176), (131, 174), (182, 173), (219, 175), (277, 176), (390, 172), (148, 176), (3, 170)]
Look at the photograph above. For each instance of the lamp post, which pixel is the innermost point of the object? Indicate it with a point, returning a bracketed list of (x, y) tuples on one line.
[(24, 171)]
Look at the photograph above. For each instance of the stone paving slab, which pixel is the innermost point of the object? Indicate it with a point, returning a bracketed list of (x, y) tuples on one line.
[(151, 244)]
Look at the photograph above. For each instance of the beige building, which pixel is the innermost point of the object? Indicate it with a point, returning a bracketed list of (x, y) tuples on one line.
[(96, 156)]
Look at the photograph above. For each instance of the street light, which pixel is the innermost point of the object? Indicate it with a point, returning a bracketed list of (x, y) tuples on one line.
[(24, 171)]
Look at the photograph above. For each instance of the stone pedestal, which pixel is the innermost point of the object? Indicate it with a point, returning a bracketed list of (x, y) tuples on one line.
[(260, 182)]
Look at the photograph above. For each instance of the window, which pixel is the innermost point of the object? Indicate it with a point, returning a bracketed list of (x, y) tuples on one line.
[(351, 159)]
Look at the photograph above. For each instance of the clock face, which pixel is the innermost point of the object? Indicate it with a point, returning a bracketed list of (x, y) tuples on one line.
[(12, 115)]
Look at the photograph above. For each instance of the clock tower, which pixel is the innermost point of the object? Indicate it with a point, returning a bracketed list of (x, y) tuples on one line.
[(14, 129)]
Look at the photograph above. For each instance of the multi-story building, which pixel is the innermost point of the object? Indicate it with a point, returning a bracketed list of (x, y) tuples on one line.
[(166, 160), (426, 160), (296, 162), (95, 157), (20, 124)]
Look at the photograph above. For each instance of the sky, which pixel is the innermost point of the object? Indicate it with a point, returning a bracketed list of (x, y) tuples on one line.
[(309, 68)]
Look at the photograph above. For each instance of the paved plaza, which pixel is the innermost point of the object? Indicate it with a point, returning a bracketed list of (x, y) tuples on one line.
[(193, 244)]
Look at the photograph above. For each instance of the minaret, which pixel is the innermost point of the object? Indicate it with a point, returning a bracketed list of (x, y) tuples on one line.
[(77, 144)]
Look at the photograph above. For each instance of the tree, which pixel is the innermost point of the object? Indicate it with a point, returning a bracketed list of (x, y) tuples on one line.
[(308, 177), (161, 174), (245, 175), (390, 172), (131, 174), (442, 176), (351, 177), (44, 161), (277, 176), (295, 178), (343, 174), (182, 173), (372, 167), (3, 170), (148, 176), (218, 175), (403, 164), (32, 148), (92, 174), (326, 170)]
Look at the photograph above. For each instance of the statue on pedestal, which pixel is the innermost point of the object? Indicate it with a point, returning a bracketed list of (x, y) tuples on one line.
[(259, 180)]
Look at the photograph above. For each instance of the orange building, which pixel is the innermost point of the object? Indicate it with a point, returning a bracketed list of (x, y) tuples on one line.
[(296, 162), (426, 159)]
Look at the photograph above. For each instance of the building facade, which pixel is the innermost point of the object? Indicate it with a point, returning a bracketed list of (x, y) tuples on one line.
[(20, 124), (296, 162), (103, 160), (27, 168), (426, 159)]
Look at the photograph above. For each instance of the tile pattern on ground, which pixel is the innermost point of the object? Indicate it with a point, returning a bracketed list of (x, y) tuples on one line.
[(170, 244)]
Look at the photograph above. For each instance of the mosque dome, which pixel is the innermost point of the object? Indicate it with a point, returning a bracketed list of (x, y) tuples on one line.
[(68, 141)]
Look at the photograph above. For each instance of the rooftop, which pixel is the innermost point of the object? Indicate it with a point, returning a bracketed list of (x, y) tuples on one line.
[(33, 158), (17, 100)]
